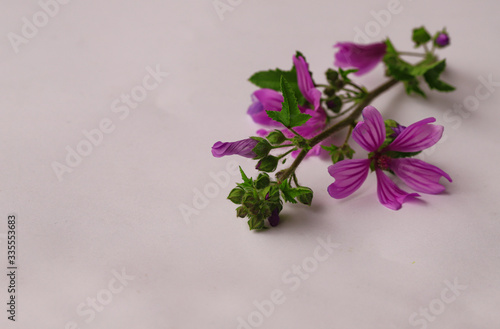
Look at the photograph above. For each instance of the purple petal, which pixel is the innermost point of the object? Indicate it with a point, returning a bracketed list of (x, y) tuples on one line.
[(362, 57), (306, 85), (417, 137), (243, 148), (419, 175), (274, 219), (389, 194), (265, 100), (370, 133), (349, 176)]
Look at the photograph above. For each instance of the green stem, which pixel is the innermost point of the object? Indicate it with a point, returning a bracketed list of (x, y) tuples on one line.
[(356, 86), (410, 53), (351, 127), (286, 153), (280, 146), (293, 131), (339, 125)]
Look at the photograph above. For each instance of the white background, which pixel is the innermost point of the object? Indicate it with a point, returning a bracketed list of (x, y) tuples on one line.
[(118, 210)]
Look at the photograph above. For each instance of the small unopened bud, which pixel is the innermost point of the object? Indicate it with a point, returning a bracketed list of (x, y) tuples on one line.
[(262, 181), (267, 164), (241, 212), (334, 104), (276, 137), (236, 195), (332, 76), (442, 39), (306, 198)]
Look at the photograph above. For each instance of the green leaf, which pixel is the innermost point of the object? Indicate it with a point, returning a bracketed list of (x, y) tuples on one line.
[(245, 178), (431, 76), (290, 115), (271, 79), (339, 153), (412, 86), (290, 193), (390, 47), (420, 36), (398, 68)]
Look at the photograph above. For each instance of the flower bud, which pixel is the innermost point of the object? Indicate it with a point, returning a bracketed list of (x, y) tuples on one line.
[(236, 195), (241, 212), (262, 148), (334, 104), (276, 137), (267, 164), (307, 197), (262, 181), (330, 91), (441, 39), (332, 76)]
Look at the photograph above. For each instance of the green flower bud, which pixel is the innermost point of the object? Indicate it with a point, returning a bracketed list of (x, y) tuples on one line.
[(339, 84), (332, 76), (262, 148), (267, 164), (334, 104), (241, 212), (276, 137), (249, 200), (256, 224), (307, 197), (262, 181), (236, 195), (330, 91)]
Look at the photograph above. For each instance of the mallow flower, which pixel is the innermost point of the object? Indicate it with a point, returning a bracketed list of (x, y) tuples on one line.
[(270, 100), (243, 148), (370, 134), (361, 57)]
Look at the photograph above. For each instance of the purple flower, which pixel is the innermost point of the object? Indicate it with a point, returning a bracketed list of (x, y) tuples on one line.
[(362, 57), (243, 148), (265, 100), (442, 40), (370, 134), (270, 100), (306, 85)]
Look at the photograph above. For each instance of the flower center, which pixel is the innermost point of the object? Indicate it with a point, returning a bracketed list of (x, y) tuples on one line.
[(383, 162)]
